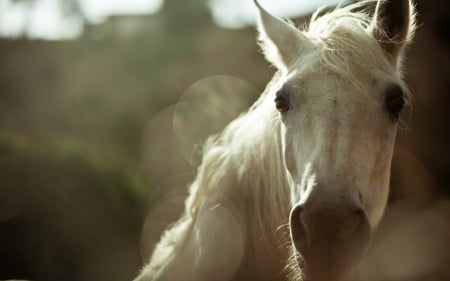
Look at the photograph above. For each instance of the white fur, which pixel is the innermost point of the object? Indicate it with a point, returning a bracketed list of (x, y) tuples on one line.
[(251, 173)]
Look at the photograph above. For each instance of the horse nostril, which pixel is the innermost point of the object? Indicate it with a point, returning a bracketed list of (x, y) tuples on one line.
[(361, 226), (314, 229)]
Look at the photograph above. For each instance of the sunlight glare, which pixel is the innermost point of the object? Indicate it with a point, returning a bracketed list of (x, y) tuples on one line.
[(205, 108), (99, 10), (226, 14), (47, 20), (11, 23)]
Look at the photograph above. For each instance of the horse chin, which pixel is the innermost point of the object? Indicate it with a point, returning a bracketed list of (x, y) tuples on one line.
[(327, 274), (333, 263)]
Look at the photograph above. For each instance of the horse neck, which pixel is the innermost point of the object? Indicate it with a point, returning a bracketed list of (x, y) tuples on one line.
[(253, 145), (262, 184), (244, 165), (262, 175)]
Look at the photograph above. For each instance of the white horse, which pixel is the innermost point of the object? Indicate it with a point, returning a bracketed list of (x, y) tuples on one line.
[(299, 182)]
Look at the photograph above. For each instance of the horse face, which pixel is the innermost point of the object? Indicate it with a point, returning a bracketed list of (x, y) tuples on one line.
[(338, 145), (339, 98)]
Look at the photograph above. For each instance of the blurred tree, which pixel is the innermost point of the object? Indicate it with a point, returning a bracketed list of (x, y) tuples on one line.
[(178, 16), (187, 14)]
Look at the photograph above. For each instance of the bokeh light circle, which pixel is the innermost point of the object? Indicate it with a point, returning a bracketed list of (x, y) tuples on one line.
[(206, 108)]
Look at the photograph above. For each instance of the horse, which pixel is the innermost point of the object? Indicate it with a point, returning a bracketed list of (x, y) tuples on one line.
[(294, 188)]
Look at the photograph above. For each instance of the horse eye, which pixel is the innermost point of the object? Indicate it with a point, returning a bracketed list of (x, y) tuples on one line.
[(395, 101), (282, 104)]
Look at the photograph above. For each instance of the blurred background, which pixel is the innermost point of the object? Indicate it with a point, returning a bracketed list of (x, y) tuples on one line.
[(104, 105)]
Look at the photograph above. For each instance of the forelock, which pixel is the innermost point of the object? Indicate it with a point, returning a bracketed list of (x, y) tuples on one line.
[(345, 42)]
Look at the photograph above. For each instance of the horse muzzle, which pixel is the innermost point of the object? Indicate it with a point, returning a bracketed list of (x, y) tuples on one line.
[(331, 237)]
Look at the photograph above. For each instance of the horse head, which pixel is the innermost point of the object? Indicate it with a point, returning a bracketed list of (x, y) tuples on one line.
[(339, 96)]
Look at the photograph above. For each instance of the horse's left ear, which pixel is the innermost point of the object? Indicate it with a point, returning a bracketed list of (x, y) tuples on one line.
[(393, 25), (280, 41)]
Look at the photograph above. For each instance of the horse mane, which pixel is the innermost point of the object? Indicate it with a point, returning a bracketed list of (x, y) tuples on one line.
[(247, 155), (359, 15), (345, 37)]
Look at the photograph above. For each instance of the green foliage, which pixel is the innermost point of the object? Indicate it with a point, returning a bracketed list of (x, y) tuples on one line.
[(115, 173), (64, 208)]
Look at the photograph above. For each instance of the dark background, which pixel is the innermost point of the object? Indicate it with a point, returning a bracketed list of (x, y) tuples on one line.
[(90, 147)]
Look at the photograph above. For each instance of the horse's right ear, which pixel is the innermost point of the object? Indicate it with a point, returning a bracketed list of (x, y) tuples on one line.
[(280, 41)]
